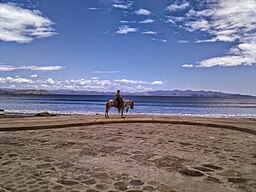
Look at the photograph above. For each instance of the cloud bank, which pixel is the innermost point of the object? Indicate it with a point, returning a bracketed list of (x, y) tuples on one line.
[(226, 21), (229, 21), (93, 84), (23, 25), (33, 68)]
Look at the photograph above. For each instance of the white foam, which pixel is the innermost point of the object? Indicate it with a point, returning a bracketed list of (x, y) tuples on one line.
[(32, 112), (202, 115)]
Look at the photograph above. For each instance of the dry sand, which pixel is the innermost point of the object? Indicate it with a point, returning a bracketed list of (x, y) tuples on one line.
[(138, 153)]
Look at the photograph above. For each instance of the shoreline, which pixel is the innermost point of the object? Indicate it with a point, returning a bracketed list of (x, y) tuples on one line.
[(55, 113)]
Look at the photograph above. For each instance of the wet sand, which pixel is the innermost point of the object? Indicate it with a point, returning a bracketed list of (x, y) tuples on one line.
[(137, 153)]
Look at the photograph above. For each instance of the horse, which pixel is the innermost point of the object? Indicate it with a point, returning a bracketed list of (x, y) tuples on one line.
[(125, 104)]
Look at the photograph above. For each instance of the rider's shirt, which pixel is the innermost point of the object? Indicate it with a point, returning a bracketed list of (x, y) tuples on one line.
[(118, 95)]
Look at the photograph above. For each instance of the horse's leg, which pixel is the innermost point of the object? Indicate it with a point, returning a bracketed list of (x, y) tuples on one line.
[(122, 112), (106, 114), (106, 111)]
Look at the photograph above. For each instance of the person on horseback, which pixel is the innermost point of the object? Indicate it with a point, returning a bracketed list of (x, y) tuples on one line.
[(118, 100)]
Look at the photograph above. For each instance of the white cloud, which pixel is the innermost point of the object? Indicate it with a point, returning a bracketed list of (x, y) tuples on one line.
[(80, 82), (206, 12), (138, 82), (205, 41), (182, 41), (242, 54), (173, 20), (45, 68), (188, 65), (161, 40), (126, 29), (122, 6), (227, 21), (178, 6), (149, 33), (140, 88), (157, 83), (226, 61), (129, 81), (93, 8), (50, 81), (33, 68), (147, 21), (127, 22), (15, 80), (34, 76), (45, 86), (142, 12), (200, 24), (23, 25)]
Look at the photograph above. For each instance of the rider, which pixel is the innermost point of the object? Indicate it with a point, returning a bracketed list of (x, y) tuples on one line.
[(118, 99)]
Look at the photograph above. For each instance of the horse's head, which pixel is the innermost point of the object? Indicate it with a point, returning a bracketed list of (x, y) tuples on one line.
[(132, 104)]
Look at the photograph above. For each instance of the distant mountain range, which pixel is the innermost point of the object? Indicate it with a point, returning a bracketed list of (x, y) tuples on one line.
[(174, 93)]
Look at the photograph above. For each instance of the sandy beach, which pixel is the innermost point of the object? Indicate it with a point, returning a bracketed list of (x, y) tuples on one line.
[(138, 153)]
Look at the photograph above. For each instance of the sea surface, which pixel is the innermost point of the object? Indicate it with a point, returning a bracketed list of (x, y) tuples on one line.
[(80, 104)]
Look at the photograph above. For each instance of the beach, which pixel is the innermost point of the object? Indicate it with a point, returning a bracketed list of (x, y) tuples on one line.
[(136, 153)]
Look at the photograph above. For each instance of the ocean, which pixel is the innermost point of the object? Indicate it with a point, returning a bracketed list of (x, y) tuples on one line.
[(88, 104)]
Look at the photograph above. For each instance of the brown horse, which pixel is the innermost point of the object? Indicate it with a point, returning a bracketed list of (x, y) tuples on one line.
[(126, 104)]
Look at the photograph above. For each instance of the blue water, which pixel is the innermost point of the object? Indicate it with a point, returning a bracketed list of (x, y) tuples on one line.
[(76, 104)]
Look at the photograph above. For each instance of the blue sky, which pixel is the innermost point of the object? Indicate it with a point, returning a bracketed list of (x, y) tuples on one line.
[(141, 45)]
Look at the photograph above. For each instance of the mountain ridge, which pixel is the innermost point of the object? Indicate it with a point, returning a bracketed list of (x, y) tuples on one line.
[(174, 93)]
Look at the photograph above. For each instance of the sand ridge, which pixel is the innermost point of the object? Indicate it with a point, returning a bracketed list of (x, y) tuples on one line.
[(35, 123)]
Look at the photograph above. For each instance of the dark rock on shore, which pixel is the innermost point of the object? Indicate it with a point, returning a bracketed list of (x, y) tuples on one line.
[(193, 173), (44, 114)]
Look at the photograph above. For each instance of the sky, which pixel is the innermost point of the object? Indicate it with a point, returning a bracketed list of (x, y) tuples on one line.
[(140, 45)]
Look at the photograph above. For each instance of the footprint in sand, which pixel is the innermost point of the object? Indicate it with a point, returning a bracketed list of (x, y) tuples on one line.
[(212, 166), (212, 179), (191, 173), (204, 169)]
